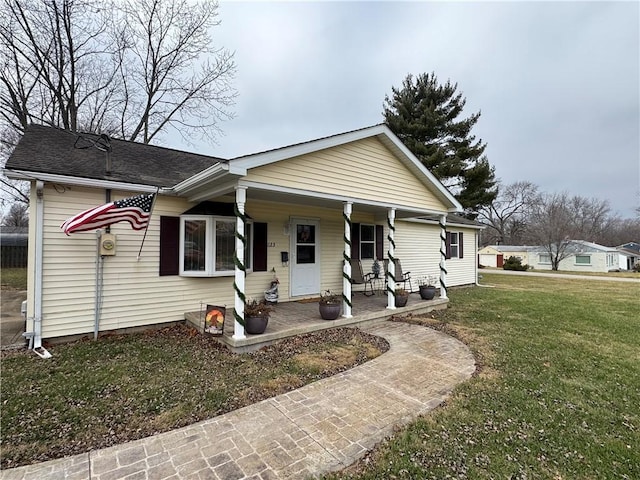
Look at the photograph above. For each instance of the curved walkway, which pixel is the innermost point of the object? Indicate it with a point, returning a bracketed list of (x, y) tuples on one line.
[(321, 427)]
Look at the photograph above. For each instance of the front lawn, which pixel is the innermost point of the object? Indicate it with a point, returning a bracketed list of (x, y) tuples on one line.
[(93, 394), (14, 278), (558, 396)]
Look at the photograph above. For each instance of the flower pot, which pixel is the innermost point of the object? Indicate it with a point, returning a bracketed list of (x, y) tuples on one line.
[(255, 325), (401, 300), (427, 292), (329, 311)]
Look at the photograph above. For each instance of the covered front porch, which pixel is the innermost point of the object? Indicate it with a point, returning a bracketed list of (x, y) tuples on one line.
[(298, 317)]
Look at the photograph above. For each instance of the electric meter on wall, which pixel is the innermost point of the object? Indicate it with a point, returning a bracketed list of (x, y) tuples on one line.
[(108, 244)]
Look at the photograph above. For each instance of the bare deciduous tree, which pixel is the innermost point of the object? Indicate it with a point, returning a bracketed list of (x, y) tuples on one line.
[(558, 219), (128, 68), (172, 75), (58, 62), (507, 216), (17, 216), (621, 231)]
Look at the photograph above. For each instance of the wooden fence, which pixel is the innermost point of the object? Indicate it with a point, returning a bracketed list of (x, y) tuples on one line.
[(14, 256)]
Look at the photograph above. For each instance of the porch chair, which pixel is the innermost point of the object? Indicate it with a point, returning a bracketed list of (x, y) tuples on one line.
[(401, 277), (358, 277)]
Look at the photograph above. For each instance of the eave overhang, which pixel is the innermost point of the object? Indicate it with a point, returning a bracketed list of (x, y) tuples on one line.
[(82, 181)]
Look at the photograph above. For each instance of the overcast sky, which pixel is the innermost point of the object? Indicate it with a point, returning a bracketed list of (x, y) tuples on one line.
[(557, 82)]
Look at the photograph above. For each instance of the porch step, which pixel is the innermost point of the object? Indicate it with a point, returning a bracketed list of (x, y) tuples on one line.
[(296, 318)]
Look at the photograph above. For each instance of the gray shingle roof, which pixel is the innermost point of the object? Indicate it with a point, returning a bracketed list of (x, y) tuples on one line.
[(55, 151)]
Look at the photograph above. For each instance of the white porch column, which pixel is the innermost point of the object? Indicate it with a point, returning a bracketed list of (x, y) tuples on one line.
[(346, 262), (391, 270), (443, 256), (240, 270)]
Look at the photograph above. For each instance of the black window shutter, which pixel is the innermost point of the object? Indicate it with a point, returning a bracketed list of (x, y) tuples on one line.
[(379, 242), (460, 245), (355, 241), (259, 247), (169, 247), (448, 249)]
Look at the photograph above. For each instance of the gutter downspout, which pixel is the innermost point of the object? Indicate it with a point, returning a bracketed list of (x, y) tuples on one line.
[(99, 282), (37, 289)]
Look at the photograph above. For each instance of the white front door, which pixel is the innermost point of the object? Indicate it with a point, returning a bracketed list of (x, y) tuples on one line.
[(305, 258)]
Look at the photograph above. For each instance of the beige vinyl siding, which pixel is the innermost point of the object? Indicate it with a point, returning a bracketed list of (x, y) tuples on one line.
[(278, 216), (462, 271), (365, 169), (133, 292), (418, 248)]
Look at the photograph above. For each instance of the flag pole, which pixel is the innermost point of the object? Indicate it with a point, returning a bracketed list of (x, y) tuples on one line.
[(153, 204)]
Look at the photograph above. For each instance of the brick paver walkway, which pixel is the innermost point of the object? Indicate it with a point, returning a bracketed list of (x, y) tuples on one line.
[(318, 428)]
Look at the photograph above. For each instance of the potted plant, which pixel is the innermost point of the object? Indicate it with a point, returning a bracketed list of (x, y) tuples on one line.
[(401, 297), (256, 316), (427, 286), (375, 268), (329, 305)]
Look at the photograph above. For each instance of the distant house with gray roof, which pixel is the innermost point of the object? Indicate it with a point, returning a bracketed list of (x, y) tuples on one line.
[(583, 257)]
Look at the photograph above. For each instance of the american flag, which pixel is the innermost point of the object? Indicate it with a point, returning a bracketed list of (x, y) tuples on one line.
[(135, 210)]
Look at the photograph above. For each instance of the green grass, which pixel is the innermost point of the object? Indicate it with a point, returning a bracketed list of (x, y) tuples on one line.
[(558, 395), (15, 278), (622, 274), (92, 394)]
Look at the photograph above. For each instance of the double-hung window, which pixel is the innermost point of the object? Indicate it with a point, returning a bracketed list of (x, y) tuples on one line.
[(367, 241), (454, 245), (207, 245), (544, 258)]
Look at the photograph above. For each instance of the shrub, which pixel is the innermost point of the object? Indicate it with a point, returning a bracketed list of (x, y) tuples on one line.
[(514, 263)]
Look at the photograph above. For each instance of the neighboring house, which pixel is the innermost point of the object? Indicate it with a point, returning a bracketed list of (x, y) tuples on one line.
[(305, 207), (496, 255), (629, 255), (584, 257), (14, 246)]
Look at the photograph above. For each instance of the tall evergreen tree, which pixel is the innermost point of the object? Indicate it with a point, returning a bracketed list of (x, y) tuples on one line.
[(424, 115)]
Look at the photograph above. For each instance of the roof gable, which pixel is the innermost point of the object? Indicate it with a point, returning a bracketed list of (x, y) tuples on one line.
[(364, 170), (241, 165)]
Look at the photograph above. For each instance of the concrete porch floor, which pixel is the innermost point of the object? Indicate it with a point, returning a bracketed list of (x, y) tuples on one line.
[(298, 317)]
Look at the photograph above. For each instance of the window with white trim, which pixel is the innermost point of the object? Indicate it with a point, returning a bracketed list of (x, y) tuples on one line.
[(544, 258), (454, 244), (207, 245), (367, 241), (583, 259)]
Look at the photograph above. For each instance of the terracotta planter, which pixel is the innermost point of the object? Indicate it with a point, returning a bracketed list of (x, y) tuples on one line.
[(427, 292), (329, 311), (401, 300), (255, 325)]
